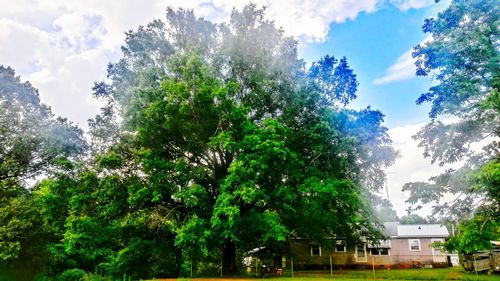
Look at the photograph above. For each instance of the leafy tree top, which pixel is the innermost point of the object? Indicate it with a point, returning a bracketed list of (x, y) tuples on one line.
[(462, 55), (232, 134)]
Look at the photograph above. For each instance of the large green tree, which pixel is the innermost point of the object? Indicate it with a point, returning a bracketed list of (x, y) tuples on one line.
[(33, 142), (215, 140), (463, 57), (240, 144)]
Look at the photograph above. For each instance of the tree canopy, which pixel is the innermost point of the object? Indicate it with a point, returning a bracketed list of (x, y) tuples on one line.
[(463, 58), (215, 140), (33, 142), (238, 142)]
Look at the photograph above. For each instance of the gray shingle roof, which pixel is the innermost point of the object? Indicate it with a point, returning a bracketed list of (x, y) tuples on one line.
[(394, 229)]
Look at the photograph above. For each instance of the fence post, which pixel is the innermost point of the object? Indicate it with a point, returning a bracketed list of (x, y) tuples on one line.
[(475, 263), (256, 267), (331, 267), (373, 267), (291, 260)]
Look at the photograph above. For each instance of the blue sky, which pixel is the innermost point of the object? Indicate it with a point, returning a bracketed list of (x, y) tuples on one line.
[(63, 46), (373, 42)]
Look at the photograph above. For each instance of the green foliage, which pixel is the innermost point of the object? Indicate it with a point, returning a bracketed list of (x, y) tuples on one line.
[(245, 180), (71, 275), (475, 234), (214, 140), (413, 219), (384, 210), (97, 277), (97, 229), (32, 142), (463, 57), (238, 146), (31, 138), (11, 214), (464, 54), (111, 160), (488, 178)]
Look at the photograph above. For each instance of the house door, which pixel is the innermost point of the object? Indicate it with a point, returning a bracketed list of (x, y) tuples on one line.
[(361, 253), (438, 254)]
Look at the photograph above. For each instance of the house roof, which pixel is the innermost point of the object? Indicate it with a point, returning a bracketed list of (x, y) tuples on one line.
[(391, 229), (394, 229), (422, 230)]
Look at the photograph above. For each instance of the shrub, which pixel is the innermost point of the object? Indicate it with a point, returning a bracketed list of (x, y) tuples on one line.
[(71, 275)]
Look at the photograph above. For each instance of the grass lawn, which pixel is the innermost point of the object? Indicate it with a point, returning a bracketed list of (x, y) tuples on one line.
[(344, 275), (394, 274)]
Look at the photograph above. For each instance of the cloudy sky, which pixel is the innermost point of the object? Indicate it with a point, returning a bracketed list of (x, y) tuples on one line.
[(63, 46)]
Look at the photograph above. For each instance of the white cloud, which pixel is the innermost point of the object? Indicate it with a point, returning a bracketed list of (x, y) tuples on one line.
[(411, 4), (307, 20), (66, 85), (410, 167), (63, 74), (22, 45), (403, 69), (310, 20), (79, 31), (62, 46)]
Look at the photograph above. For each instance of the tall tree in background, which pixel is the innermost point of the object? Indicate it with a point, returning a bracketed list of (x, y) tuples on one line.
[(384, 210), (238, 144), (463, 57), (33, 142)]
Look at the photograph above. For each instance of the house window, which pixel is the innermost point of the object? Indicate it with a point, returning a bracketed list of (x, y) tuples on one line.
[(379, 251), (340, 246), (437, 248), (315, 250), (360, 253), (414, 244)]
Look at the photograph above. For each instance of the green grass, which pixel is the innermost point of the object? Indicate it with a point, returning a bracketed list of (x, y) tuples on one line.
[(394, 274), (344, 275)]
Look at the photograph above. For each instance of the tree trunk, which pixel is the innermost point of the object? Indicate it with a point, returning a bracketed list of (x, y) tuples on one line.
[(229, 258), (178, 262), (278, 261)]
